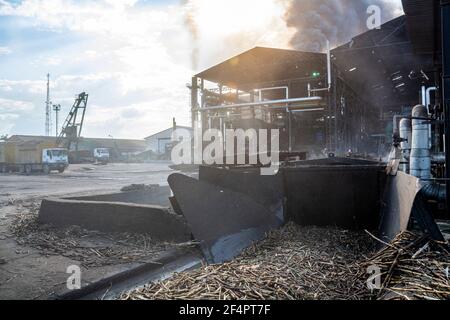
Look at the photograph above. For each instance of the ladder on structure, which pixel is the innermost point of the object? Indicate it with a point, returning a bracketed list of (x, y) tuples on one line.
[(73, 125)]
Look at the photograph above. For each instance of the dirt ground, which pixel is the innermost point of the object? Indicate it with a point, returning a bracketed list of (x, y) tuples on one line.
[(85, 179), (29, 269)]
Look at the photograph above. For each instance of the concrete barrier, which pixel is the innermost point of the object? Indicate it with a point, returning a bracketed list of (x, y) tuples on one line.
[(156, 196), (156, 221)]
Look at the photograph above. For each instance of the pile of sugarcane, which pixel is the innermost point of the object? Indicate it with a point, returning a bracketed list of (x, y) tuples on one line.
[(413, 267), (90, 248), (316, 263), (292, 263)]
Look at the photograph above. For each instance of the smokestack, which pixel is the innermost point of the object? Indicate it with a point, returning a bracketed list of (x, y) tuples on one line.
[(189, 21)]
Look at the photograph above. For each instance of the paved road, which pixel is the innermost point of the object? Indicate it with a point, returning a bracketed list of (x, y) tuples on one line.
[(80, 179)]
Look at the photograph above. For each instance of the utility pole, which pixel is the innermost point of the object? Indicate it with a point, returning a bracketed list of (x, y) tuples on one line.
[(47, 108), (57, 109)]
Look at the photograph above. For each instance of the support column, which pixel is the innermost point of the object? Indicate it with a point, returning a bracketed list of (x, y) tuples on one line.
[(445, 5), (194, 100)]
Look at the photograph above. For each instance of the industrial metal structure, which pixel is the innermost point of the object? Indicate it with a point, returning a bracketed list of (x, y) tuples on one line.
[(348, 109), (348, 102), (379, 97), (73, 125), (57, 109), (48, 110)]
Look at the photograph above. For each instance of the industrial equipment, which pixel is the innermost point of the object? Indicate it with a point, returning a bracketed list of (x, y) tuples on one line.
[(73, 125), (48, 109), (351, 105)]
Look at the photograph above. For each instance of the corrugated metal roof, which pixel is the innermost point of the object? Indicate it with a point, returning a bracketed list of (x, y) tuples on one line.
[(168, 131), (124, 145), (264, 65)]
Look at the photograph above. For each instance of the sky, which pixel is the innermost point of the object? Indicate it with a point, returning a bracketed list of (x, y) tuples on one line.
[(133, 57)]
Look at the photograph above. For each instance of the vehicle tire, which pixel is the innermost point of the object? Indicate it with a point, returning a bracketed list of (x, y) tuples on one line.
[(46, 169), (61, 170), (28, 169)]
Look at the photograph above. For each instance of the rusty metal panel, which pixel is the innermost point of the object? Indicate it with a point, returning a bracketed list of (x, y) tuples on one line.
[(224, 221), (347, 196), (266, 190), (398, 202)]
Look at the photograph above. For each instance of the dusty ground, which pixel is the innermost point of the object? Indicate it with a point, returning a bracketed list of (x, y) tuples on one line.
[(30, 271), (78, 179)]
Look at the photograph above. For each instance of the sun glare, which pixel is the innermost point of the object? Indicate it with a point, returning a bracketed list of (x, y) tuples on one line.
[(232, 16)]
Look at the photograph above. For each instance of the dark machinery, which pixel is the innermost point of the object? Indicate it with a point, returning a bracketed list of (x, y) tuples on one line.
[(73, 125)]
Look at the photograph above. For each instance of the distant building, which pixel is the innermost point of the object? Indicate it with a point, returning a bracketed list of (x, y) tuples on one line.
[(158, 143)]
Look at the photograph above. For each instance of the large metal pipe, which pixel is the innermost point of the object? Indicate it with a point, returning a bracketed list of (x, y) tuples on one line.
[(313, 100), (329, 81), (428, 98), (328, 64), (260, 91), (406, 136), (424, 95), (428, 104), (420, 159), (435, 191)]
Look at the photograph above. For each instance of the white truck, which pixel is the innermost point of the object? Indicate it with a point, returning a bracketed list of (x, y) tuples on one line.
[(101, 155), (28, 157)]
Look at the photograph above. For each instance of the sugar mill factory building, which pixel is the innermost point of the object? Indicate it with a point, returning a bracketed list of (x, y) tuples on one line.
[(376, 75), (159, 143)]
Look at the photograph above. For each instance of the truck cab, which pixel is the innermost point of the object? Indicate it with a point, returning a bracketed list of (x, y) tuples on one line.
[(55, 159), (101, 155)]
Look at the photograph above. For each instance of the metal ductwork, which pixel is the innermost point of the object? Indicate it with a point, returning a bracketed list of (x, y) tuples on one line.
[(406, 138), (420, 159), (434, 191), (420, 156)]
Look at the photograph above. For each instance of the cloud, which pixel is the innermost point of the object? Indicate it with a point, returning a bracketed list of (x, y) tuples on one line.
[(7, 122), (12, 111), (14, 106), (47, 61), (5, 51), (128, 58)]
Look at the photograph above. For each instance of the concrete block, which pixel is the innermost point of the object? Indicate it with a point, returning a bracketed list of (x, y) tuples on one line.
[(115, 217)]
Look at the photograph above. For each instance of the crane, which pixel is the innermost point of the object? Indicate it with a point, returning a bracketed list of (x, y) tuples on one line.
[(73, 125)]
